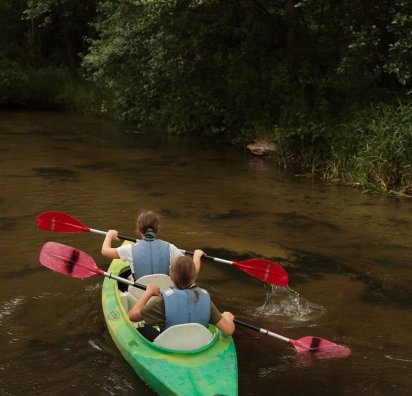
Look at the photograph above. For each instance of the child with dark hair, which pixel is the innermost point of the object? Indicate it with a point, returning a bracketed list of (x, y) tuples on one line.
[(148, 256)]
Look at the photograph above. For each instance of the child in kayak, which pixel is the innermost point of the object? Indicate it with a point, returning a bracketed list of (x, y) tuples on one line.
[(183, 303), (148, 256)]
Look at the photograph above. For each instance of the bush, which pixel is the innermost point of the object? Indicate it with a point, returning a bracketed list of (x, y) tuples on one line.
[(48, 87)]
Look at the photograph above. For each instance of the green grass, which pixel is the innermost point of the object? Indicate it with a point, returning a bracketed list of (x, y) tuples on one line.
[(371, 150)]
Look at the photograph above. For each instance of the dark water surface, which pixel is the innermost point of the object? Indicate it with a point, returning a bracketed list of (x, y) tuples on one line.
[(348, 256)]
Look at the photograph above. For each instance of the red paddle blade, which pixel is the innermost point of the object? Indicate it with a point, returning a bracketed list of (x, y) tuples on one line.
[(59, 222), (67, 260), (265, 270), (320, 348)]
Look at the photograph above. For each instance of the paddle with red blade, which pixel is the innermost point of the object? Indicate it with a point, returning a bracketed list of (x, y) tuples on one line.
[(313, 346), (78, 264), (264, 270), (74, 262)]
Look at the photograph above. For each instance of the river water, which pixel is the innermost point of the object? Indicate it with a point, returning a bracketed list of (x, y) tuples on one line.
[(348, 256)]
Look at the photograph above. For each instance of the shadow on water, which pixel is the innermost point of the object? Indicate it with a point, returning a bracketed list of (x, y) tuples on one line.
[(10, 223), (26, 272), (170, 214), (304, 267), (96, 166), (233, 214), (296, 220), (291, 220), (54, 173)]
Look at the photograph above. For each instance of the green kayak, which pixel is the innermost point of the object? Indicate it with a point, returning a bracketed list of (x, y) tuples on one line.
[(209, 370)]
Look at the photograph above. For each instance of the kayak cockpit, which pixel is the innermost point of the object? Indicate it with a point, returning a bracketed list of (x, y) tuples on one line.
[(209, 370), (188, 337), (129, 294)]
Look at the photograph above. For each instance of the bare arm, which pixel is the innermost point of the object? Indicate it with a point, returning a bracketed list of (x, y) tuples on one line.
[(197, 256), (107, 249), (226, 325), (135, 314)]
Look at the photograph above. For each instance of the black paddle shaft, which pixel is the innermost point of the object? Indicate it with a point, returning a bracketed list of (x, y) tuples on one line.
[(248, 325), (126, 238)]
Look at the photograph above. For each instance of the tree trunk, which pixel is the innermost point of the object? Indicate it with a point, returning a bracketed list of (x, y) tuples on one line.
[(71, 56)]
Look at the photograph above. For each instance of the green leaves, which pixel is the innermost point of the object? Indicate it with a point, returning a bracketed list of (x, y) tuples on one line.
[(221, 67), (399, 60)]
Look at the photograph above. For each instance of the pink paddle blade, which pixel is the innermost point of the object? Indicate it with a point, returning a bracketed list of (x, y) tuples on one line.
[(265, 270), (59, 222), (320, 348), (67, 260)]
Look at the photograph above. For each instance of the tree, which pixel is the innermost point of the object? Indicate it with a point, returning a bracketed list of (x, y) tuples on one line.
[(57, 31)]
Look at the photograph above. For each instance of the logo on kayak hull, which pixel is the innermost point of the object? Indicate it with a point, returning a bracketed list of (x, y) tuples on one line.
[(114, 315)]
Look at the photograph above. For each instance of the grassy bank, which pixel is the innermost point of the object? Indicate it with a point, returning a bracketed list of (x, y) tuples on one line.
[(372, 149)]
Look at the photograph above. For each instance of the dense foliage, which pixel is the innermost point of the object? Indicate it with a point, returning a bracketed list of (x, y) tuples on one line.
[(40, 50), (230, 66), (302, 73)]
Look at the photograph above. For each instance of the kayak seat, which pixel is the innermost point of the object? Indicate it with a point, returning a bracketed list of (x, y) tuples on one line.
[(184, 337), (161, 280), (124, 300), (127, 299)]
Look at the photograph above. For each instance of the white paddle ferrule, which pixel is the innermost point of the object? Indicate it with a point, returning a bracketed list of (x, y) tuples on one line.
[(269, 333), (98, 231), (123, 280), (205, 256), (222, 261), (118, 236)]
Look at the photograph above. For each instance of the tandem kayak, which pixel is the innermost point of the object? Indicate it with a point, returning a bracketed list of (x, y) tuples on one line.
[(209, 370)]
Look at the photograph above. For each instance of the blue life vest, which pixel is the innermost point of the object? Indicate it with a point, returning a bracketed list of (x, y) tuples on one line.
[(150, 257), (181, 306)]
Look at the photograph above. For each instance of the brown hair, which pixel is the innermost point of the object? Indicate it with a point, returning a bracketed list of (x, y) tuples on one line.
[(183, 273), (147, 221)]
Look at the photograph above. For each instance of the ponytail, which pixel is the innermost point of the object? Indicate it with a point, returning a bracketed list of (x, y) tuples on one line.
[(183, 274)]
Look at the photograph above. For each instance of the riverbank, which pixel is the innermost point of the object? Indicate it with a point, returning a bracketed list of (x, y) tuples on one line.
[(370, 150)]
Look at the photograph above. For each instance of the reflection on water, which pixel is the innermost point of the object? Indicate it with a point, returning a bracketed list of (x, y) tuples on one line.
[(347, 254)]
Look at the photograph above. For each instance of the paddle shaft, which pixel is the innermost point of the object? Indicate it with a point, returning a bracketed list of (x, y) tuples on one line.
[(264, 270), (260, 330), (237, 321), (78, 264), (313, 345), (126, 238), (120, 279)]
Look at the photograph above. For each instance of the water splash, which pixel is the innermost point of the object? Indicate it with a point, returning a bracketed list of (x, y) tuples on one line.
[(9, 307), (93, 288), (399, 359), (44, 296), (287, 303), (94, 345)]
